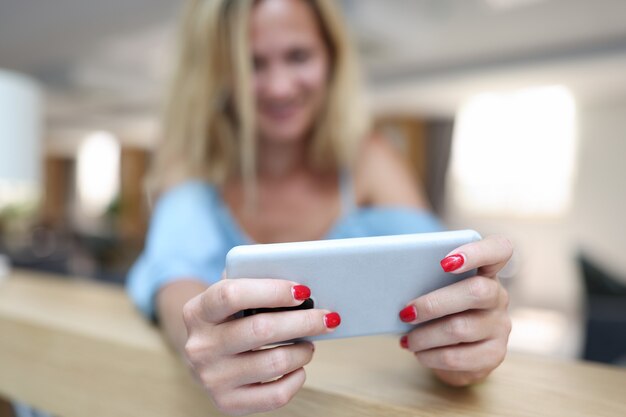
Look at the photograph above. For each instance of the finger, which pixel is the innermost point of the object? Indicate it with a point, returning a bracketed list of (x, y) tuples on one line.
[(477, 292), (469, 357), (234, 371), (227, 297), (489, 255), (461, 378), (259, 398), (460, 328), (268, 364), (267, 328)]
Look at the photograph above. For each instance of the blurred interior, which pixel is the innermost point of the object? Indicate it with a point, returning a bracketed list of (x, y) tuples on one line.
[(512, 112)]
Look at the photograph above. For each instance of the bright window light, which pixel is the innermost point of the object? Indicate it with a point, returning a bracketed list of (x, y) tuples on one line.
[(543, 332), (98, 172), (514, 153)]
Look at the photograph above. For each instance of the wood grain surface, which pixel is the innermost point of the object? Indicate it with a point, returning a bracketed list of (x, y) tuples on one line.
[(77, 348)]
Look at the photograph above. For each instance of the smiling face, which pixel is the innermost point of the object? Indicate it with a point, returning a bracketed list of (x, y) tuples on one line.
[(291, 69)]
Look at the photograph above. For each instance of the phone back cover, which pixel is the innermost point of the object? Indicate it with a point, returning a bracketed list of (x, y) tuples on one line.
[(366, 280)]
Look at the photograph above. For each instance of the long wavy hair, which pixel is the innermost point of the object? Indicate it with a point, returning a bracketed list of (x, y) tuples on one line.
[(208, 127)]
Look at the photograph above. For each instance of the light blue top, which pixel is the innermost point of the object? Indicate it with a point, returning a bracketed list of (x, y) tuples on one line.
[(191, 230)]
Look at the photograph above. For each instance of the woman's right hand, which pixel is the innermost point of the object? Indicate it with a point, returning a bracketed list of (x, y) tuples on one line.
[(224, 352)]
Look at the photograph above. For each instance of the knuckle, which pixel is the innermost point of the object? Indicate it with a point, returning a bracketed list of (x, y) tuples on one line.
[(450, 359), (428, 307), (223, 405), (458, 327), (189, 313), (280, 398), (483, 289), (213, 381), (193, 349), (278, 361), (262, 327), (207, 379), (227, 292), (200, 348)]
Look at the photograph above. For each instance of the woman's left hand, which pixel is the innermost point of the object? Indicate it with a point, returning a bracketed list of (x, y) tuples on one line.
[(465, 326)]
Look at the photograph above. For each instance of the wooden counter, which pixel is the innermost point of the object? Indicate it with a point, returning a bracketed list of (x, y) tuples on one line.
[(76, 348)]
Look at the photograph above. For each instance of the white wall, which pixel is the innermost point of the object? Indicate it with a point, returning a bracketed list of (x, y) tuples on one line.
[(546, 275), (598, 218)]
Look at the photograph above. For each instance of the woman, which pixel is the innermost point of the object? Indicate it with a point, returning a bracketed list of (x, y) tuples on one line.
[(266, 141)]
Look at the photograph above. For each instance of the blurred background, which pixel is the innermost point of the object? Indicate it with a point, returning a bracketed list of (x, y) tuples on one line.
[(512, 112)]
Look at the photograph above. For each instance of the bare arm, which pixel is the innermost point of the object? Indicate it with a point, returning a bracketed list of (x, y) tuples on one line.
[(169, 305)]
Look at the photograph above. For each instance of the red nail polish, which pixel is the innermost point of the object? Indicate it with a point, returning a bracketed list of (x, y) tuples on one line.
[(332, 320), (452, 262), (404, 342), (301, 292), (408, 313)]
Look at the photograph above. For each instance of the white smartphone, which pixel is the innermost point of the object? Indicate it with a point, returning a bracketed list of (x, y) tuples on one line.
[(366, 280)]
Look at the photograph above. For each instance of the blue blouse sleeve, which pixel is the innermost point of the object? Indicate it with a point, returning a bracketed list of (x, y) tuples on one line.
[(184, 240)]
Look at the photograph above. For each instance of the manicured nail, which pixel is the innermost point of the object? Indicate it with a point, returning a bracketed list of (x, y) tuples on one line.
[(332, 320), (452, 262), (301, 292), (404, 342), (408, 314)]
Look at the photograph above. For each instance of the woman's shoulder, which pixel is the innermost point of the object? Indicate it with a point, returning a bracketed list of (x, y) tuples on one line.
[(187, 196), (383, 176), (188, 189)]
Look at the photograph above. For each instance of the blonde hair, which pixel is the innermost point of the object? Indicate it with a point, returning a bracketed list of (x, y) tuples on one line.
[(208, 123)]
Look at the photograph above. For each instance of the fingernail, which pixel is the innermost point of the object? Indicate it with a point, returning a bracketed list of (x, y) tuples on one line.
[(332, 320), (301, 292), (452, 262), (404, 342), (408, 313)]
